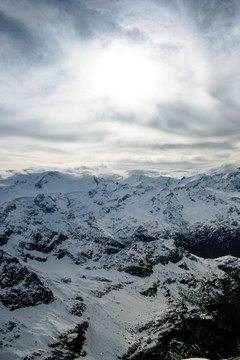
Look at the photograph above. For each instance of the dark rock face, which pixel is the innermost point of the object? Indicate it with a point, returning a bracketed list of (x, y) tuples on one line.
[(192, 336), (46, 203), (10, 331), (3, 239), (142, 270), (139, 258), (11, 206), (69, 345), (211, 243), (142, 235), (79, 307), (231, 268), (20, 287), (48, 176), (46, 241), (212, 331), (151, 291)]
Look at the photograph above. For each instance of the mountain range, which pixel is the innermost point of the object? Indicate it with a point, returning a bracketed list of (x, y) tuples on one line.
[(112, 267)]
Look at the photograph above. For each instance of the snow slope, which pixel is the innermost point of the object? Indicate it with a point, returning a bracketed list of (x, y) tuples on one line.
[(99, 268)]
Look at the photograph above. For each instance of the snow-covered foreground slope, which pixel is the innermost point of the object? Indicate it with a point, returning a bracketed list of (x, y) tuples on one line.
[(95, 268), (106, 311)]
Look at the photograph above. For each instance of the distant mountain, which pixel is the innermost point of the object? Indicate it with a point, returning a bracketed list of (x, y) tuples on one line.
[(106, 268)]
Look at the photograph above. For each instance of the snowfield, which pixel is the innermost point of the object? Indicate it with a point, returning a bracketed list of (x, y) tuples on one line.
[(106, 268)]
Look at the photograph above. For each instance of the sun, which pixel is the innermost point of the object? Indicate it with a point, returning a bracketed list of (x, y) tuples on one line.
[(125, 74)]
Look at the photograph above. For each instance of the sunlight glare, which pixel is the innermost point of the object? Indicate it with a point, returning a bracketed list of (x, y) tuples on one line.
[(125, 74)]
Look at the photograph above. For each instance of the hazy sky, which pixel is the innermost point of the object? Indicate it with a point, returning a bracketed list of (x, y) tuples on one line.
[(135, 84)]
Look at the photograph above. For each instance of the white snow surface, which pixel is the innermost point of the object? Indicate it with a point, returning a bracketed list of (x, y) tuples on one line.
[(114, 319), (120, 205), (114, 208)]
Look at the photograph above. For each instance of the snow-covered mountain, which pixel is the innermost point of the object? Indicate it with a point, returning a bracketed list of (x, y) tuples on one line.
[(106, 268)]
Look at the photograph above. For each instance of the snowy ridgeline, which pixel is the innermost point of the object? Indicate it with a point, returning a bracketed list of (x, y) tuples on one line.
[(106, 268), (201, 213)]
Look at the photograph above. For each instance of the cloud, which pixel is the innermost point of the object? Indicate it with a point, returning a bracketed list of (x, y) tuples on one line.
[(226, 145), (150, 75), (15, 30), (36, 129), (133, 166), (221, 120)]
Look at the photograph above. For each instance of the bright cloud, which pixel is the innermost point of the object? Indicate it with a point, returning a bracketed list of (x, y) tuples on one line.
[(141, 83)]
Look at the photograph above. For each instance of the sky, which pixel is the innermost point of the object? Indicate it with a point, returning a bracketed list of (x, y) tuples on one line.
[(121, 85)]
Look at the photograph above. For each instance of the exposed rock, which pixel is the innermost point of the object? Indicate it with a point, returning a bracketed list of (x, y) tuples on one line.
[(151, 291), (46, 241), (189, 336), (20, 287), (78, 309), (210, 242), (46, 203), (69, 345)]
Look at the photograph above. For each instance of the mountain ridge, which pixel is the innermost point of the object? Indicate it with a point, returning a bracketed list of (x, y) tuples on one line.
[(110, 268), (148, 208)]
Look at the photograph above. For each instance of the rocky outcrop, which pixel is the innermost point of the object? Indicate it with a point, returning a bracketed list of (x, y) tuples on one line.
[(69, 345), (19, 286), (210, 242)]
